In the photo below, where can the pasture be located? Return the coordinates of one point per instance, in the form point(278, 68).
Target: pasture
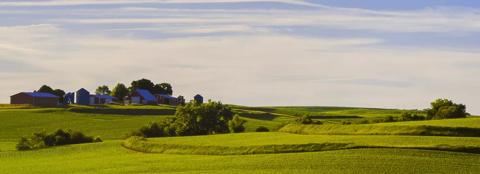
point(314, 153)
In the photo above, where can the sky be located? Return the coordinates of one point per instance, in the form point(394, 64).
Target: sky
point(369, 53)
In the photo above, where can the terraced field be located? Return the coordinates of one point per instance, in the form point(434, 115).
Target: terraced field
point(227, 153)
point(110, 157)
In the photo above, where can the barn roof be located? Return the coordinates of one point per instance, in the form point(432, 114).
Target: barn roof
point(41, 94)
point(146, 94)
point(166, 96)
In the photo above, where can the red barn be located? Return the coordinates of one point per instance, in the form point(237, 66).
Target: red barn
point(35, 99)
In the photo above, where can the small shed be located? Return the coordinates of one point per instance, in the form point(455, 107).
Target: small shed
point(168, 99)
point(82, 97)
point(142, 96)
point(198, 98)
point(35, 99)
point(98, 99)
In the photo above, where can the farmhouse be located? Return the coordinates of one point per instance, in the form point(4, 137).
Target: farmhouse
point(82, 97)
point(35, 99)
point(169, 100)
point(141, 96)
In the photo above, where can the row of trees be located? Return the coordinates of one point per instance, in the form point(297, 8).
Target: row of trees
point(196, 119)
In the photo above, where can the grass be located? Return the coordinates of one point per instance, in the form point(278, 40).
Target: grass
point(109, 157)
point(332, 112)
point(108, 122)
point(276, 142)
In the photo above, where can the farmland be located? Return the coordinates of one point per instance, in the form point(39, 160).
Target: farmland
point(236, 153)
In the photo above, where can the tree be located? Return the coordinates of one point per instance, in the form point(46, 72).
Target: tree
point(304, 120)
point(163, 88)
point(120, 91)
point(46, 89)
point(103, 90)
point(236, 124)
point(444, 108)
point(202, 119)
point(142, 84)
point(60, 93)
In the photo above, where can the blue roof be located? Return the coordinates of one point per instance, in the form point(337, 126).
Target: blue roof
point(146, 94)
point(167, 96)
point(41, 94)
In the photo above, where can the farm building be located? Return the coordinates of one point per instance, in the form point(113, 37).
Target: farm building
point(141, 96)
point(82, 97)
point(98, 99)
point(198, 98)
point(35, 99)
point(169, 100)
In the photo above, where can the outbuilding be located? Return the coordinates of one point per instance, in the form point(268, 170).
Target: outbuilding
point(82, 97)
point(35, 99)
point(142, 96)
point(98, 99)
point(169, 100)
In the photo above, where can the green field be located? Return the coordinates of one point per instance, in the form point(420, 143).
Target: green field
point(110, 157)
point(315, 153)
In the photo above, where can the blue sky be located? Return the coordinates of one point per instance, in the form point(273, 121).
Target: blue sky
point(369, 53)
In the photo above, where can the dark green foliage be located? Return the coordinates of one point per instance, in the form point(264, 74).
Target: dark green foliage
point(120, 91)
point(304, 120)
point(58, 92)
point(444, 109)
point(60, 137)
point(262, 129)
point(236, 124)
point(202, 119)
point(46, 89)
point(164, 88)
point(142, 84)
point(407, 116)
point(194, 119)
point(103, 90)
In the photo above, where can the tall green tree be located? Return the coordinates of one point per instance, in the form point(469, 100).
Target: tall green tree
point(46, 89)
point(163, 88)
point(120, 91)
point(103, 90)
point(202, 119)
point(444, 108)
point(142, 84)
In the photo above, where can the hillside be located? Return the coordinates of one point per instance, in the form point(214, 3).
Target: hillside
point(226, 153)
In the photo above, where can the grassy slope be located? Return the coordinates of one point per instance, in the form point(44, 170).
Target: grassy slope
point(109, 157)
point(452, 127)
point(275, 142)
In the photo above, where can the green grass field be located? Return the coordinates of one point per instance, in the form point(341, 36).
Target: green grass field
point(113, 122)
point(110, 157)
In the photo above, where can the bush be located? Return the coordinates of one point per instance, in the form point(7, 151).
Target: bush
point(407, 116)
point(444, 109)
point(194, 119)
point(60, 137)
point(304, 120)
point(236, 124)
point(262, 129)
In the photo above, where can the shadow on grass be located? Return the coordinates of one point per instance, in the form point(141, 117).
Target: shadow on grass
point(124, 111)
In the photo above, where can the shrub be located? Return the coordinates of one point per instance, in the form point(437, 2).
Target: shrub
point(60, 137)
point(262, 129)
point(236, 124)
point(444, 108)
point(304, 120)
point(407, 116)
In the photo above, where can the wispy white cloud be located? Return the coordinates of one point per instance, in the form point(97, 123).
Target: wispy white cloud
point(103, 2)
point(332, 71)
